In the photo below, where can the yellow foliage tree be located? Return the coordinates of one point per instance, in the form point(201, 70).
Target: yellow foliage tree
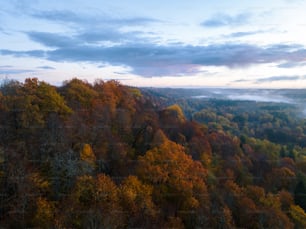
point(298, 215)
point(88, 158)
point(137, 197)
point(94, 201)
point(44, 214)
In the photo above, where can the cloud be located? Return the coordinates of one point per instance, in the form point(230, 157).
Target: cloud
point(277, 78)
point(90, 29)
point(106, 36)
point(220, 20)
point(243, 34)
point(24, 4)
point(46, 67)
point(113, 36)
point(132, 21)
point(66, 16)
point(30, 53)
point(3, 31)
point(291, 64)
point(272, 79)
point(52, 39)
point(59, 16)
point(149, 59)
point(7, 70)
point(240, 81)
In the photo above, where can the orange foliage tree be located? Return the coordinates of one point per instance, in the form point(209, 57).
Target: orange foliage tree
point(178, 181)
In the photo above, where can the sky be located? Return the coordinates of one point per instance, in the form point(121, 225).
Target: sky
point(199, 43)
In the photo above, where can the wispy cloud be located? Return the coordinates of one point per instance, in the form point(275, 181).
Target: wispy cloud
point(24, 4)
point(243, 34)
point(271, 79)
point(45, 67)
point(277, 78)
point(9, 70)
point(241, 81)
point(30, 53)
point(52, 40)
point(66, 16)
point(292, 64)
point(113, 36)
point(4, 31)
point(220, 20)
point(60, 16)
point(90, 29)
point(107, 36)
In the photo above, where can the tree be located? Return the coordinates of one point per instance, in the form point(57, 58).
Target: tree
point(280, 178)
point(94, 203)
point(286, 200)
point(45, 211)
point(172, 117)
point(178, 181)
point(87, 159)
point(79, 94)
point(298, 215)
point(300, 194)
point(136, 199)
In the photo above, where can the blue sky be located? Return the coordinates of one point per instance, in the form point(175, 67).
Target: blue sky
point(156, 43)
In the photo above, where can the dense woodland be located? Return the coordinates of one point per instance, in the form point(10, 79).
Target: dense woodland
point(104, 155)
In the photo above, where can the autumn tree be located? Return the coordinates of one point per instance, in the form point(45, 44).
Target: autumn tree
point(45, 212)
point(87, 159)
point(137, 201)
point(298, 215)
point(94, 203)
point(78, 93)
point(178, 181)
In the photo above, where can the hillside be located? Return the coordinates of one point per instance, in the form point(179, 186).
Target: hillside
point(105, 155)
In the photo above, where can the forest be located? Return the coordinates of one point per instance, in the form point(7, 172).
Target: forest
point(106, 155)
